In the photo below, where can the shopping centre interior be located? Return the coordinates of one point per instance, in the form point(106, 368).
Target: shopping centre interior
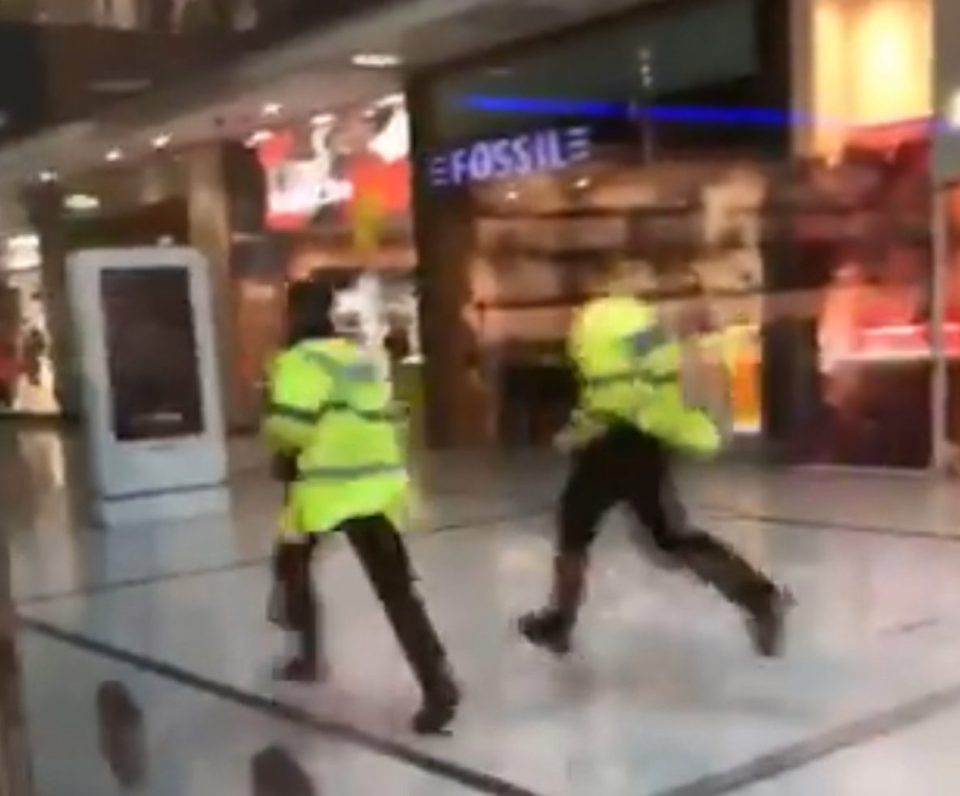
point(779, 176)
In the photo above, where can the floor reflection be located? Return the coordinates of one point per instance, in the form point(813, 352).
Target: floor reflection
point(663, 689)
point(274, 772)
point(122, 736)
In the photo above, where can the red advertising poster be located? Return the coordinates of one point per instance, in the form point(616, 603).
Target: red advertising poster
point(327, 170)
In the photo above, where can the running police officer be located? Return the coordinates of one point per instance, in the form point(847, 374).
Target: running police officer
point(630, 420)
point(331, 410)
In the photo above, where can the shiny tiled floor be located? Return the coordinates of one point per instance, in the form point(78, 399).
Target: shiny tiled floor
point(662, 697)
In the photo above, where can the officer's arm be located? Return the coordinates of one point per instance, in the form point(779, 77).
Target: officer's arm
point(296, 394)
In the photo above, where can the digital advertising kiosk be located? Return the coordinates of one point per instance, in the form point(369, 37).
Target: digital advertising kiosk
point(144, 336)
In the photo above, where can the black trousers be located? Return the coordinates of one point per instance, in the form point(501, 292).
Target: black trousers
point(629, 467)
point(384, 559)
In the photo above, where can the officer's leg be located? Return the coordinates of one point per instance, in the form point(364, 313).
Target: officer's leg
point(590, 491)
point(300, 609)
point(384, 559)
point(656, 503)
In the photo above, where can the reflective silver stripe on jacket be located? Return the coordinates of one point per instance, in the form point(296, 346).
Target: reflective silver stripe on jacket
point(388, 415)
point(361, 372)
point(309, 416)
point(349, 473)
point(648, 340)
point(640, 344)
point(325, 361)
point(646, 376)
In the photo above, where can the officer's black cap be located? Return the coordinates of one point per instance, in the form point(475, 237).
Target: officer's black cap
point(309, 305)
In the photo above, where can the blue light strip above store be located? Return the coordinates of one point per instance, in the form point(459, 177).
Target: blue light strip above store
point(688, 114)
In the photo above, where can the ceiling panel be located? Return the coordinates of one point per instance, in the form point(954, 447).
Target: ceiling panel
point(312, 72)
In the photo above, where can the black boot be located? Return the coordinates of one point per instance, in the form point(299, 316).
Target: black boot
point(765, 606)
point(298, 669)
point(428, 659)
point(307, 664)
point(303, 614)
point(551, 628)
point(766, 623)
point(440, 703)
point(387, 564)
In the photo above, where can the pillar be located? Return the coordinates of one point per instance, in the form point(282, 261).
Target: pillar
point(946, 90)
point(44, 205)
point(208, 207)
point(946, 183)
point(457, 405)
point(802, 77)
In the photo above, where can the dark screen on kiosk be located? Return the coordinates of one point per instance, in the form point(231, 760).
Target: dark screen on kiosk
point(151, 353)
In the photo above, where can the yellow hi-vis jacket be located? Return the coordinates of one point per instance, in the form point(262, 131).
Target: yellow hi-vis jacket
point(630, 372)
point(331, 409)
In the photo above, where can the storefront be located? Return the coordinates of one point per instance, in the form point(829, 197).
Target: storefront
point(26, 369)
point(637, 141)
point(337, 210)
point(772, 185)
point(775, 182)
point(325, 197)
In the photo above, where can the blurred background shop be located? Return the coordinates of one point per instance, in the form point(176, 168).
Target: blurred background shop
point(26, 368)
point(778, 177)
point(778, 181)
point(546, 180)
point(322, 196)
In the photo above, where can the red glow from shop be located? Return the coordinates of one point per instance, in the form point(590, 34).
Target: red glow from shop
point(387, 183)
point(907, 341)
point(889, 136)
point(366, 176)
point(276, 149)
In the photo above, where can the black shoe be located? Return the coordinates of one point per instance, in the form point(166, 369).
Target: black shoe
point(438, 710)
point(301, 670)
point(547, 629)
point(767, 624)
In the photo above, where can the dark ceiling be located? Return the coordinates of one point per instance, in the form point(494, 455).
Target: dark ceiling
point(688, 46)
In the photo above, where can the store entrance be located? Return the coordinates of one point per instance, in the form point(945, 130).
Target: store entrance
point(26, 367)
point(684, 235)
point(848, 338)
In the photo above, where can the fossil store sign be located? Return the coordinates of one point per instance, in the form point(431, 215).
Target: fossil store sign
point(514, 156)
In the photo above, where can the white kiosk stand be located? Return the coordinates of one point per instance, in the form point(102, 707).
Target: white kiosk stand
point(151, 394)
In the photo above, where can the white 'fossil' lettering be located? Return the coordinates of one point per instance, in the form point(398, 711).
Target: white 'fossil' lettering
point(515, 156)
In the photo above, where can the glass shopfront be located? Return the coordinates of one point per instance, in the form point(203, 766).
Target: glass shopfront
point(26, 369)
point(949, 339)
point(863, 221)
point(655, 153)
point(861, 230)
point(324, 198)
point(335, 208)
point(671, 153)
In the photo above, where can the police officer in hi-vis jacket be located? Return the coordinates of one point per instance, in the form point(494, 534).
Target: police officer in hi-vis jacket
point(630, 421)
point(330, 411)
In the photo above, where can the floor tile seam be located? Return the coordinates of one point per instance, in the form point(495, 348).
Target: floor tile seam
point(733, 512)
point(790, 758)
point(473, 779)
point(105, 589)
point(855, 734)
point(108, 588)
